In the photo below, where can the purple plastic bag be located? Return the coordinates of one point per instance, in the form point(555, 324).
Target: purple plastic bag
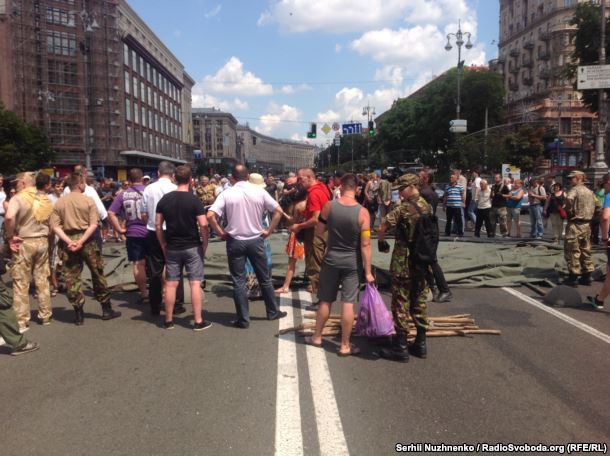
point(374, 318)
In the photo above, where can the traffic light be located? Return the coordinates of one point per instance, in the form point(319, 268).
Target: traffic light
point(371, 128)
point(313, 132)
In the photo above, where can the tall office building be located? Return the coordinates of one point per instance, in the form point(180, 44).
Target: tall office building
point(98, 80)
point(536, 43)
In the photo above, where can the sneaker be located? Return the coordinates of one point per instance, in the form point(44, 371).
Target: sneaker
point(27, 348)
point(168, 325)
point(279, 315)
point(202, 325)
point(2, 342)
point(45, 321)
point(24, 329)
point(179, 309)
point(593, 301)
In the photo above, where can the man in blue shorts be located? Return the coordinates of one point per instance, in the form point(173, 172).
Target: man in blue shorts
point(597, 301)
point(128, 204)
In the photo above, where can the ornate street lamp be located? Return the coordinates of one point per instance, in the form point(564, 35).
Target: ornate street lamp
point(459, 42)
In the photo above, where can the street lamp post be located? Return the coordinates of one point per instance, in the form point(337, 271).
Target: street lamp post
point(369, 112)
point(459, 42)
point(599, 162)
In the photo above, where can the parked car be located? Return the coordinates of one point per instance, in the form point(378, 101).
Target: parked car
point(525, 205)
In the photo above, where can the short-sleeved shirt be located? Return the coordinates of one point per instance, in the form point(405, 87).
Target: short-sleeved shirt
point(244, 206)
point(74, 212)
point(607, 201)
point(317, 196)
point(152, 195)
point(454, 195)
point(180, 211)
point(26, 225)
point(128, 203)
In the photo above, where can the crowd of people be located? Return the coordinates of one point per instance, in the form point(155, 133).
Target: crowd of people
point(52, 228)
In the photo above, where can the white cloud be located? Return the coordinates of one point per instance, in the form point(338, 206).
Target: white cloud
point(290, 89)
point(328, 116)
point(213, 12)
point(390, 73)
point(338, 48)
point(204, 100)
point(279, 121)
point(232, 79)
point(340, 16)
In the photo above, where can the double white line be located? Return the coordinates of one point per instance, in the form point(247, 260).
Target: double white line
point(288, 426)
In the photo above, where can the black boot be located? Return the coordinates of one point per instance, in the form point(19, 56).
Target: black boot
point(108, 313)
point(585, 279)
point(399, 350)
point(418, 348)
point(572, 280)
point(435, 292)
point(79, 315)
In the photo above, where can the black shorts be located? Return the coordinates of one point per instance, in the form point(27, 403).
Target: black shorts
point(136, 248)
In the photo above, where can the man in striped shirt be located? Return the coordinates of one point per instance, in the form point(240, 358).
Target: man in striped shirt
point(454, 202)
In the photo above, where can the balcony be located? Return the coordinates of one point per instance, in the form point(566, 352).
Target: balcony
point(528, 63)
point(528, 44)
point(514, 53)
point(545, 35)
point(544, 55)
point(513, 86)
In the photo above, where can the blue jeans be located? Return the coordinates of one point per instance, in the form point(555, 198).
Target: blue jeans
point(536, 220)
point(472, 211)
point(253, 250)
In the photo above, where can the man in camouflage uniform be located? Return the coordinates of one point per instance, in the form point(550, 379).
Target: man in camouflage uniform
point(580, 206)
point(409, 287)
point(27, 232)
point(206, 191)
point(74, 220)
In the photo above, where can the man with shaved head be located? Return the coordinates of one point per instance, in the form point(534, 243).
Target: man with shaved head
point(318, 195)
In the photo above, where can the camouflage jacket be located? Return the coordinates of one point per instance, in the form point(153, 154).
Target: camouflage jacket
point(206, 194)
point(580, 203)
point(402, 221)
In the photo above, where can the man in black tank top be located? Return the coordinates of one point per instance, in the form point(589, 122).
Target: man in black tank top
point(348, 252)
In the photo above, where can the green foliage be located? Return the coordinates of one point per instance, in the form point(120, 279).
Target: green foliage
point(418, 127)
point(586, 45)
point(23, 147)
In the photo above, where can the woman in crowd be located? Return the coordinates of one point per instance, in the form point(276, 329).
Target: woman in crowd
point(294, 247)
point(513, 207)
point(555, 212)
point(483, 202)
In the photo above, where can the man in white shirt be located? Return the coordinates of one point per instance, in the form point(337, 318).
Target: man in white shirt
point(155, 258)
point(474, 186)
point(244, 205)
point(2, 200)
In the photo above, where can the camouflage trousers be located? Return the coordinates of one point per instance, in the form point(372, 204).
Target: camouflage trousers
point(406, 302)
point(498, 215)
point(9, 329)
point(315, 249)
point(73, 268)
point(32, 259)
point(577, 248)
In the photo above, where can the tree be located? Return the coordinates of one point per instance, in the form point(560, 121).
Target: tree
point(586, 46)
point(23, 147)
point(418, 127)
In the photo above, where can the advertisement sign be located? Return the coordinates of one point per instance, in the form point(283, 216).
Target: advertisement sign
point(511, 171)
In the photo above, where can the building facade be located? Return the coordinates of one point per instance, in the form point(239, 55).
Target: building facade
point(220, 142)
point(536, 43)
point(98, 80)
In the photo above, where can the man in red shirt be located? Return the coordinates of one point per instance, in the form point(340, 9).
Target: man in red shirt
point(318, 195)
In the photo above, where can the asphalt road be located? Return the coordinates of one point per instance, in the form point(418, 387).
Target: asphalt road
point(128, 387)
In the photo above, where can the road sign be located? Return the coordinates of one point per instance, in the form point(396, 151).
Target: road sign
point(458, 126)
point(325, 128)
point(352, 128)
point(338, 141)
point(336, 126)
point(593, 77)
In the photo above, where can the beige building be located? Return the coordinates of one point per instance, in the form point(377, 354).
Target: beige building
point(220, 142)
point(98, 80)
point(536, 43)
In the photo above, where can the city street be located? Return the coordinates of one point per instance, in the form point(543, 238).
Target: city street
point(129, 387)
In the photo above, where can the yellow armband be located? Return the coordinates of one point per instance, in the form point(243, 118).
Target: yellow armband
point(365, 233)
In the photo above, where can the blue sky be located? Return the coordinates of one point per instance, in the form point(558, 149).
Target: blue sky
point(281, 64)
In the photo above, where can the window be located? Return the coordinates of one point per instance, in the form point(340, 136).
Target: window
point(129, 137)
point(127, 82)
point(135, 87)
point(63, 73)
point(587, 124)
point(565, 126)
point(142, 67)
point(150, 119)
point(134, 61)
point(143, 115)
point(128, 109)
point(65, 133)
point(60, 17)
point(148, 71)
point(125, 54)
point(137, 142)
point(144, 141)
point(142, 91)
point(149, 96)
point(156, 122)
point(151, 146)
point(63, 103)
point(136, 113)
point(61, 43)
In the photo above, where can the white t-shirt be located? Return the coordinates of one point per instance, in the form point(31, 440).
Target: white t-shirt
point(152, 195)
point(2, 200)
point(476, 183)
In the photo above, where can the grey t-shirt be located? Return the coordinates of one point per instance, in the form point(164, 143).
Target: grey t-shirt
point(343, 247)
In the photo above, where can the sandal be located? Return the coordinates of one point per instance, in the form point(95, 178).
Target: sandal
point(353, 351)
point(309, 341)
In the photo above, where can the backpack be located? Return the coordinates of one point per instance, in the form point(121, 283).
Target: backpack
point(425, 242)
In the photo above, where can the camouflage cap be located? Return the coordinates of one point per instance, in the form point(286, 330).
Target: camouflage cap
point(576, 173)
point(405, 180)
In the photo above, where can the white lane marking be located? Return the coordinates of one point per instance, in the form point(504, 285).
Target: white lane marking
point(330, 430)
point(583, 327)
point(288, 431)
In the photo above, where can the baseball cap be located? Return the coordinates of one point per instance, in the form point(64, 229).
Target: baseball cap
point(405, 180)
